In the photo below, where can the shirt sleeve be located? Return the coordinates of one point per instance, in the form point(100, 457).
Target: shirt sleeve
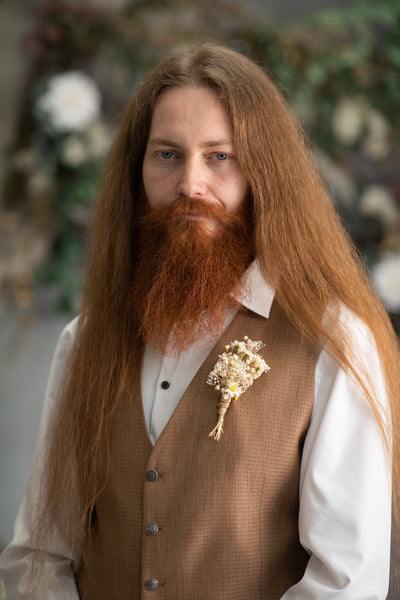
point(16, 559)
point(345, 486)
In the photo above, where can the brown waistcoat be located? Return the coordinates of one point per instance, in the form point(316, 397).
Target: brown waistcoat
point(223, 515)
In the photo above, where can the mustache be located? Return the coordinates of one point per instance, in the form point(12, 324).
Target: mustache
point(199, 208)
point(183, 207)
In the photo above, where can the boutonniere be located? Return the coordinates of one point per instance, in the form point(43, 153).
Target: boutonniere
point(234, 372)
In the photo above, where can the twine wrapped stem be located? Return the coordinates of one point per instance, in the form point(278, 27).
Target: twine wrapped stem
point(223, 406)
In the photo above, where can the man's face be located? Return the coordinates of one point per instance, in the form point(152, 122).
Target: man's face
point(190, 152)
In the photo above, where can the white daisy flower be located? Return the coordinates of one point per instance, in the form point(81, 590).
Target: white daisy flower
point(348, 119)
point(71, 102)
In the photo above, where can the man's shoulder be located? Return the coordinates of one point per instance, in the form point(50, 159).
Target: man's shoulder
point(68, 335)
point(69, 331)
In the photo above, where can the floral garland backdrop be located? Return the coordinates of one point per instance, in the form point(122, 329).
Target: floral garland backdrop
point(338, 69)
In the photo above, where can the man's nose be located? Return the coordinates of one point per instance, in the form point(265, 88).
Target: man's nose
point(192, 179)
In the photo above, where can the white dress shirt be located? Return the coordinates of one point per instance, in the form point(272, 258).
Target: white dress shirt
point(345, 484)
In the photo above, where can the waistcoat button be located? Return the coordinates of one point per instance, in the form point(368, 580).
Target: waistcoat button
point(151, 584)
point(151, 528)
point(151, 475)
point(165, 385)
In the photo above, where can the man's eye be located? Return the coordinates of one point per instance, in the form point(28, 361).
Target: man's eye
point(166, 154)
point(221, 156)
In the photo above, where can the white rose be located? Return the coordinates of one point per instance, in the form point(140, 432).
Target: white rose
point(386, 279)
point(348, 119)
point(376, 201)
point(98, 139)
point(377, 142)
point(73, 152)
point(71, 102)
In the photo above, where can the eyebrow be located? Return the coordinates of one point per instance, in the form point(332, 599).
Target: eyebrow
point(208, 144)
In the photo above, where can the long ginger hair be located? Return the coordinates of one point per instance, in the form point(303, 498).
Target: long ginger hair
point(298, 238)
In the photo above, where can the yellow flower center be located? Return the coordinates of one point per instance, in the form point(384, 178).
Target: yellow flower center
point(233, 388)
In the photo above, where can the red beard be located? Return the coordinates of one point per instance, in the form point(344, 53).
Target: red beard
point(186, 275)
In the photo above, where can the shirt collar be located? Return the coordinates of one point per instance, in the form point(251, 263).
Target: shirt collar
point(259, 293)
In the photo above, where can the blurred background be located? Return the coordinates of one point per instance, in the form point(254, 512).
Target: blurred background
point(67, 69)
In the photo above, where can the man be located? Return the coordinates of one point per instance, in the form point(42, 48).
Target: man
point(213, 233)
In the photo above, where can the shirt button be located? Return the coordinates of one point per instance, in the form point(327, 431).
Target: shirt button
point(151, 528)
point(151, 475)
point(151, 584)
point(165, 385)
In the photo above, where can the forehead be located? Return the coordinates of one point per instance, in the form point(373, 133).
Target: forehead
point(190, 108)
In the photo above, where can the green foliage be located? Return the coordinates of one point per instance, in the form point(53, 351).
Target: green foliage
point(353, 51)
